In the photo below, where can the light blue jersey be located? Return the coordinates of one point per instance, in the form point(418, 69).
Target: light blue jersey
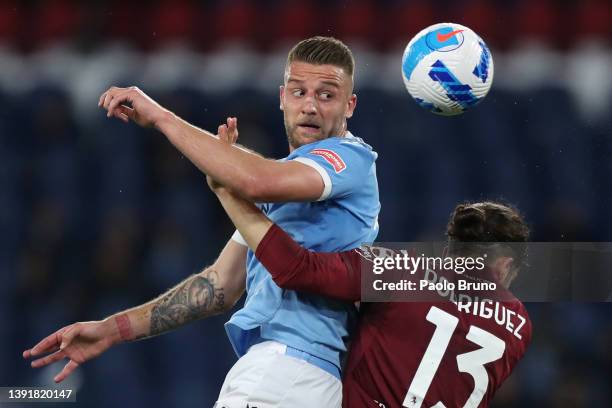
point(345, 216)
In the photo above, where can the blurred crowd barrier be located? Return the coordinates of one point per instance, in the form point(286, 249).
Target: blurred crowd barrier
point(583, 71)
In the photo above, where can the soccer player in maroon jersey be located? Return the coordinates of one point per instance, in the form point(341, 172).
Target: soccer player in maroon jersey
point(409, 354)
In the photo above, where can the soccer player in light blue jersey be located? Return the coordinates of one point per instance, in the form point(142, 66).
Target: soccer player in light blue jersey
point(324, 194)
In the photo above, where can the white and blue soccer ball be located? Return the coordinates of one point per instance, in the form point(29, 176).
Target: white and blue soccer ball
point(447, 68)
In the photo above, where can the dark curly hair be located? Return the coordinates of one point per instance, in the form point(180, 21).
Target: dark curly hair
point(490, 224)
point(486, 221)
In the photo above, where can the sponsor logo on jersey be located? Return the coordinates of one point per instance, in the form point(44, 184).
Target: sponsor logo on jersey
point(332, 158)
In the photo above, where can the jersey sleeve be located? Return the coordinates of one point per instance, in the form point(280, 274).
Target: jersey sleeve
point(342, 164)
point(333, 274)
point(238, 238)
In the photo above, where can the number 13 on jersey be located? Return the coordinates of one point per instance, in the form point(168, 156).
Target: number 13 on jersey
point(492, 348)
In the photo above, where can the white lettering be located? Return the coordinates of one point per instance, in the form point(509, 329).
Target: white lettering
point(521, 324)
point(377, 269)
point(485, 311)
point(509, 325)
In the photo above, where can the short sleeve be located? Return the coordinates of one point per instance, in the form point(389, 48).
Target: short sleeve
point(238, 238)
point(327, 183)
point(342, 164)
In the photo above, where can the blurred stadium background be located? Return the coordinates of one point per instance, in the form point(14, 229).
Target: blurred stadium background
point(97, 216)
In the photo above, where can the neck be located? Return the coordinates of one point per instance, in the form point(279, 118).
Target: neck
point(340, 133)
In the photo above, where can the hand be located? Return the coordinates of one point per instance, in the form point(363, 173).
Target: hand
point(78, 342)
point(132, 104)
point(227, 133)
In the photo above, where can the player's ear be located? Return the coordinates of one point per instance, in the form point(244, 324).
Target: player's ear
point(281, 97)
point(350, 108)
point(503, 268)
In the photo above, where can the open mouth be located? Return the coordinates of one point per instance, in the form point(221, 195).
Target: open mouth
point(309, 127)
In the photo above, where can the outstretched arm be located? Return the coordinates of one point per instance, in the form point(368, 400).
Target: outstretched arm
point(249, 175)
point(214, 290)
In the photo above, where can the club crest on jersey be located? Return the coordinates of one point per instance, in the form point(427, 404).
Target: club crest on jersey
point(332, 158)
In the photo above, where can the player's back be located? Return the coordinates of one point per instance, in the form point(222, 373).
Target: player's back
point(433, 355)
point(431, 351)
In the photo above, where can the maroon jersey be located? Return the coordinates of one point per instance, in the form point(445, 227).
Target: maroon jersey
point(408, 354)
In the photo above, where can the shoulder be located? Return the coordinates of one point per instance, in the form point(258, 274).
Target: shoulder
point(339, 151)
point(517, 327)
point(350, 142)
point(351, 139)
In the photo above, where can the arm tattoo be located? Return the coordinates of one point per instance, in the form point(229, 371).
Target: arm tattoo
point(197, 297)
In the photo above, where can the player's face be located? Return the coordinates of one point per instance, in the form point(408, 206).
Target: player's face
point(316, 101)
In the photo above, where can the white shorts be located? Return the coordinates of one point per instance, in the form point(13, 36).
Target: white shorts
point(265, 377)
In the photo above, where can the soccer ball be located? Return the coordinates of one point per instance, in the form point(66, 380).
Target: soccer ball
point(447, 68)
